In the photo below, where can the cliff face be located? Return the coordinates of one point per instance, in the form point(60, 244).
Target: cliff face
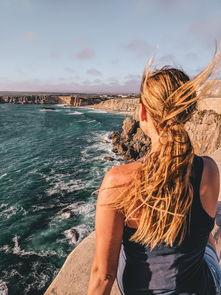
point(73, 100)
point(119, 104)
point(215, 89)
point(204, 130)
point(211, 101)
point(31, 99)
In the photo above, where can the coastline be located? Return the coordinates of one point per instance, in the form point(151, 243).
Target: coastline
point(97, 106)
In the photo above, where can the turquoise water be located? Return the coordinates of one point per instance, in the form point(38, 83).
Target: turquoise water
point(50, 162)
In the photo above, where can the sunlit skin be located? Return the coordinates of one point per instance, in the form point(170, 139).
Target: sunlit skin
point(109, 222)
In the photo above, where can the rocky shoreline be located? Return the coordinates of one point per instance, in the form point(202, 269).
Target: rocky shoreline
point(204, 130)
point(73, 100)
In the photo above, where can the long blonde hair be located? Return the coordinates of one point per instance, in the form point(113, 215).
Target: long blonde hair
point(160, 193)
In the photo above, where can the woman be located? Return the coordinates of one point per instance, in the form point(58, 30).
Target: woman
point(154, 216)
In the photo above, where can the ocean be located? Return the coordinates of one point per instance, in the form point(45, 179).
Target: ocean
point(50, 163)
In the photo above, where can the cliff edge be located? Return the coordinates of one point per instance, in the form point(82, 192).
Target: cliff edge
point(73, 277)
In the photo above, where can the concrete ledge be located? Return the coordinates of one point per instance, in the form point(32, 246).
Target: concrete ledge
point(73, 277)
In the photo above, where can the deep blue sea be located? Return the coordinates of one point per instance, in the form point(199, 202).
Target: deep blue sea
point(50, 162)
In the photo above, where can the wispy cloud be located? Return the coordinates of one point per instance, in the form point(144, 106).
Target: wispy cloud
point(86, 53)
point(140, 47)
point(206, 31)
point(69, 70)
point(133, 77)
point(55, 53)
point(192, 56)
point(94, 72)
point(87, 86)
point(167, 58)
point(29, 35)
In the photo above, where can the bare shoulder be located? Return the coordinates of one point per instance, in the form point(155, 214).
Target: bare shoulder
point(121, 174)
point(115, 180)
point(211, 169)
point(210, 185)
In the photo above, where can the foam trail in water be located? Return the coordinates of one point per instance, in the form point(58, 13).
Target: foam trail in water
point(1, 176)
point(21, 252)
point(3, 288)
point(75, 113)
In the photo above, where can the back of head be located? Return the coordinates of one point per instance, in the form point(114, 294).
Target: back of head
point(158, 93)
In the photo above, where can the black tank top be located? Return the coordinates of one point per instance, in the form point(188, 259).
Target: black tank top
point(170, 270)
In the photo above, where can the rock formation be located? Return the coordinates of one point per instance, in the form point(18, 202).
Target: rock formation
point(118, 104)
point(74, 100)
point(204, 130)
point(130, 142)
point(32, 99)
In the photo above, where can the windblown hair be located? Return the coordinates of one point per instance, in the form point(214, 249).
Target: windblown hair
point(160, 194)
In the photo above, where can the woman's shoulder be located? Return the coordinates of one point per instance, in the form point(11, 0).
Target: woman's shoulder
point(210, 169)
point(122, 173)
point(117, 178)
point(210, 185)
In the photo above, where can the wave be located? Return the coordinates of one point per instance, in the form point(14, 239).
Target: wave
point(101, 143)
point(75, 113)
point(91, 121)
point(16, 250)
point(3, 288)
point(36, 208)
point(62, 186)
point(85, 209)
point(9, 211)
point(97, 111)
point(1, 176)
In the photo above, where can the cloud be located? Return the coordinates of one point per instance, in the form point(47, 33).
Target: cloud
point(86, 53)
point(191, 56)
point(87, 86)
point(133, 77)
point(55, 53)
point(115, 61)
point(94, 72)
point(206, 31)
point(168, 4)
point(167, 58)
point(178, 6)
point(69, 70)
point(140, 47)
point(82, 40)
point(30, 35)
point(97, 81)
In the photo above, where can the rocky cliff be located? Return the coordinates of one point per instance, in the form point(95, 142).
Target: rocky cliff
point(118, 104)
point(71, 100)
point(31, 99)
point(204, 130)
point(212, 101)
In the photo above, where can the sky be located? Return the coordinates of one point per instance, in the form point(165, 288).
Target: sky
point(102, 45)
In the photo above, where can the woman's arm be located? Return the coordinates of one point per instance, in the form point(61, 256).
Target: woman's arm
point(109, 230)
